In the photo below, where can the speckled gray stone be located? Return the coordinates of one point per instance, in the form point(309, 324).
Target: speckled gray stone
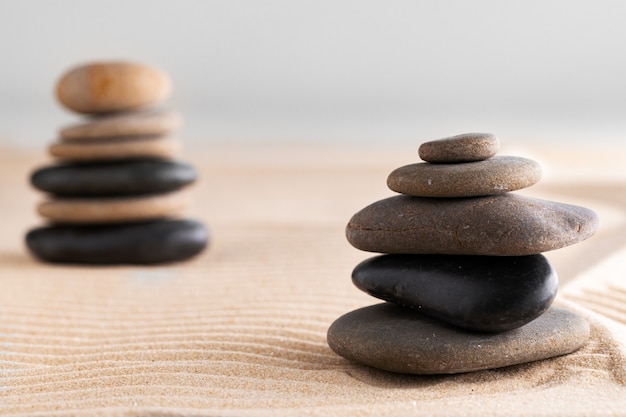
point(503, 225)
point(493, 176)
point(467, 147)
point(397, 339)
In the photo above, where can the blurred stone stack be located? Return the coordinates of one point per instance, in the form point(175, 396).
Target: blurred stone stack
point(116, 191)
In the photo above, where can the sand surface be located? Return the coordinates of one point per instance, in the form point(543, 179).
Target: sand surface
point(241, 329)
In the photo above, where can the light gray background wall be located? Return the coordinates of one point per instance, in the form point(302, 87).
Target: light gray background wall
point(326, 70)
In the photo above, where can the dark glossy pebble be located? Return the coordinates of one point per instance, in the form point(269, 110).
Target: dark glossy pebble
point(137, 243)
point(398, 339)
point(482, 293)
point(134, 177)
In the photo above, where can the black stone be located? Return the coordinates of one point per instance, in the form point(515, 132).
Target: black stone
point(137, 243)
point(481, 293)
point(133, 177)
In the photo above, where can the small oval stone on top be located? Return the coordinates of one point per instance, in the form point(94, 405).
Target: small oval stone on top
point(468, 147)
point(112, 86)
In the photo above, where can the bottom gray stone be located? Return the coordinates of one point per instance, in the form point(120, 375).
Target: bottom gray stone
point(397, 339)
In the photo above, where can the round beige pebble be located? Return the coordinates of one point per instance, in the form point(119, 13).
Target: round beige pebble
point(114, 210)
point(467, 147)
point(142, 123)
point(116, 149)
point(492, 176)
point(116, 86)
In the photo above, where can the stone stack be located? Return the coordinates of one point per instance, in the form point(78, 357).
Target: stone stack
point(116, 191)
point(466, 284)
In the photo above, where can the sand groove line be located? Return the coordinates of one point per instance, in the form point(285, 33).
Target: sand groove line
point(621, 290)
point(229, 267)
point(197, 333)
point(608, 313)
point(213, 397)
point(171, 355)
point(210, 353)
point(183, 380)
point(273, 363)
point(606, 298)
point(613, 295)
point(592, 361)
point(13, 367)
point(136, 328)
point(202, 333)
point(318, 350)
point(593, 355)
point(202, 399)
point(598, 301)
point(158, 345)
point(225, 369)
point(204, 403)
point(232, 269)
point(269, 363)
point(206, 317)
point(586, 369)
point(148, 382)
point(232, 311)
point(187, 310)
point(214, 268)
point(195, 299)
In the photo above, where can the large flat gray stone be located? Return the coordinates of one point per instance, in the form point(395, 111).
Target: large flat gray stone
point(504, 225)
point(397, 339)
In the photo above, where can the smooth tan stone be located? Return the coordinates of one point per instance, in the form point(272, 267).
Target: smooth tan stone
point(467, 147)
point(105, 87)
point(492, 176)
point(116, 149)
point(115, 209)
point(503, 225)
point(397, 339)
point(143, 123)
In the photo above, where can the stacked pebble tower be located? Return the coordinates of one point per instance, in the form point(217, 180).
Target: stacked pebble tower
point(466, 284)
point(116, 189)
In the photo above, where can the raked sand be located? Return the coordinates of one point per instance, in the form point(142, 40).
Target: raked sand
point(241, 329)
